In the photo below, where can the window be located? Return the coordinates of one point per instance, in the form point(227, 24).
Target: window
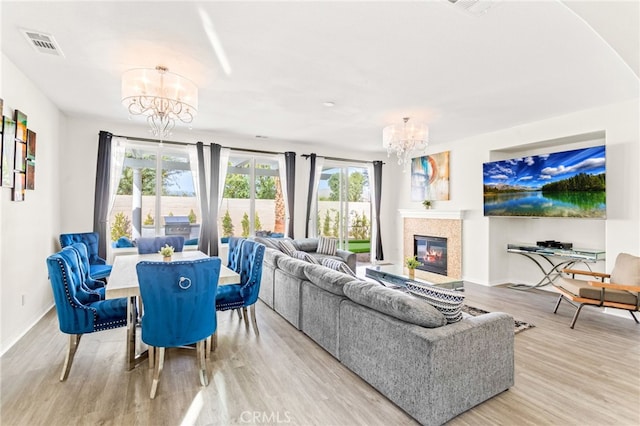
point(156, 183)
point(252, 203)
point(344, 206)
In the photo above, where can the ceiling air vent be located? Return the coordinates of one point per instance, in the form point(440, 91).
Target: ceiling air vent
point(43, 43)
point(474, 7)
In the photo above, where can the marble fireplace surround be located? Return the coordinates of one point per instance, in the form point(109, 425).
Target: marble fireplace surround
point(447, 224)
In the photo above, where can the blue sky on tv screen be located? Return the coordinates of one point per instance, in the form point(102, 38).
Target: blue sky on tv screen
point(536, 170)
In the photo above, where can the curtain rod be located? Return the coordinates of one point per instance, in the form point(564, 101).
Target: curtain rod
point(255, 151)
point(339, 159)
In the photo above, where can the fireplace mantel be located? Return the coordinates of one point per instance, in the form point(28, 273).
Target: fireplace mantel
point(432, 214)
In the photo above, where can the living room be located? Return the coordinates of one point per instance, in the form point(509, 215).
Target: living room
point(63, 200)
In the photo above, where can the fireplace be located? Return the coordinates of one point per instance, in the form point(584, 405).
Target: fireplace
point(431, 252)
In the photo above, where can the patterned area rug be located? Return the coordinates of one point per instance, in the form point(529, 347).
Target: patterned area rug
point(518, 325)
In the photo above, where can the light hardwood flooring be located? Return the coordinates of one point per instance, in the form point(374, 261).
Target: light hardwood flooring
point(586, 376)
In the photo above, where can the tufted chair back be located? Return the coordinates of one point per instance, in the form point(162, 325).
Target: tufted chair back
point(83, 260)
point(154, 244)
point(235, 251)
point(90, 240)
point(252, 255)
point(179, 300)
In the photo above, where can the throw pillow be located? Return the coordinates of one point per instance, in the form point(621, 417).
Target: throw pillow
point(449, 302)
point(327, 246)
point(303, 255)
point(287, 247)
point(337, 265)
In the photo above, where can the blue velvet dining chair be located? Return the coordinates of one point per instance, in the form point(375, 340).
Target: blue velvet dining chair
point(154, 244)
point(83, 261)
point(245, 294)
point(79, 309)
point(179, 308)
point(98, 266)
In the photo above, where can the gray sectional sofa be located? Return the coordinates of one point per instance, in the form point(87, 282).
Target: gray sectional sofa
point(395, 341)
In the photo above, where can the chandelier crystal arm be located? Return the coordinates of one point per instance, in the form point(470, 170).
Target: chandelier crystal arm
point(163, 97)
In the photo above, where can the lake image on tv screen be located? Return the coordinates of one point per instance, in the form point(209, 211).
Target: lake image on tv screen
point(561, 184)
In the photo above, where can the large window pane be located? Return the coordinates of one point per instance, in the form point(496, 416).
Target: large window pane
point(252, 201)
point(344, 206)
point(156, 182)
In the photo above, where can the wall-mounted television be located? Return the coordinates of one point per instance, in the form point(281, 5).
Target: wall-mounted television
point(560, 184)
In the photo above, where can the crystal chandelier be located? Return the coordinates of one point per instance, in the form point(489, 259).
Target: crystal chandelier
point(163, 97)
point(405, 138)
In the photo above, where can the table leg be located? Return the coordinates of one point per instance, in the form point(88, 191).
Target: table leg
point(133, 358)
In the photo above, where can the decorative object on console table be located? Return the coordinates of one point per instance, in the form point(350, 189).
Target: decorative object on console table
point(412, 263)
point(427, 204)
point(430, 177)
point(8, 151)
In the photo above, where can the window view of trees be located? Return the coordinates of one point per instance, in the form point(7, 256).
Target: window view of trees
point(263, 196)
point(344, 205)
point(174, 193)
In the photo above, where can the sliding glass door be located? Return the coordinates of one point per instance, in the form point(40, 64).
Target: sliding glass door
point(344, 205)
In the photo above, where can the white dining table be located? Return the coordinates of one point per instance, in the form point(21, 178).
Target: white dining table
point(123, 282)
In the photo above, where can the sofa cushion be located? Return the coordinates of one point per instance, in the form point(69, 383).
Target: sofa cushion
point(292, 266)
point(395, 303)
point(303, 255)
point(271, 257)
point(448, 302)
point(327, 279)
point(337, 265)
point(327, 245)
point(286, 246)
point(626, 270)
point(306, 244)
point(269, 242)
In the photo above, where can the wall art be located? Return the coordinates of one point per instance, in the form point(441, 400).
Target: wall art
point(430, 177)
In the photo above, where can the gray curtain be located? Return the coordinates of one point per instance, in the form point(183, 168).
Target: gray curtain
point(312, 175)
point(377, 178)
point(203, 239)
point(208, 242)
point(290, 166)
point(214, 201)
point(101, 200)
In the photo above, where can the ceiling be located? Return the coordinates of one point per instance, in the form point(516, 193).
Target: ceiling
point(462, 74)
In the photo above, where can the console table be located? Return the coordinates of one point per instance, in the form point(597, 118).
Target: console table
point(394, 274)
point(565, 259)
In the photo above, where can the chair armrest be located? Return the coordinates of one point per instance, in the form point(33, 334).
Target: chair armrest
point(347, 257)
point(615, 286)
point(590, 273)
point(99, 261)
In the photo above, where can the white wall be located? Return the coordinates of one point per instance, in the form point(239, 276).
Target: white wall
point(485, 260)
point(29, 229)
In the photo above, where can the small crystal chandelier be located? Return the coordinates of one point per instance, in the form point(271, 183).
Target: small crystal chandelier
point(405, 138)
point(162, 96)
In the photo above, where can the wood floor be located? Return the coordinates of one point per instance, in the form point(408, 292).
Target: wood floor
point(586, 376)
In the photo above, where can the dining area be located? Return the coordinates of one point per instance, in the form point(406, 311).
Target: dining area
point(163, 301)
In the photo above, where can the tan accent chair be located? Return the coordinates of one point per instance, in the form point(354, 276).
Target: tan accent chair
point(621, 292)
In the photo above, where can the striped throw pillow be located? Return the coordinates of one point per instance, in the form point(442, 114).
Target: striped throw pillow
point(327, 246)
point(449, 302)
point(337, 265)
point(303, 255)
point(287, 247)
